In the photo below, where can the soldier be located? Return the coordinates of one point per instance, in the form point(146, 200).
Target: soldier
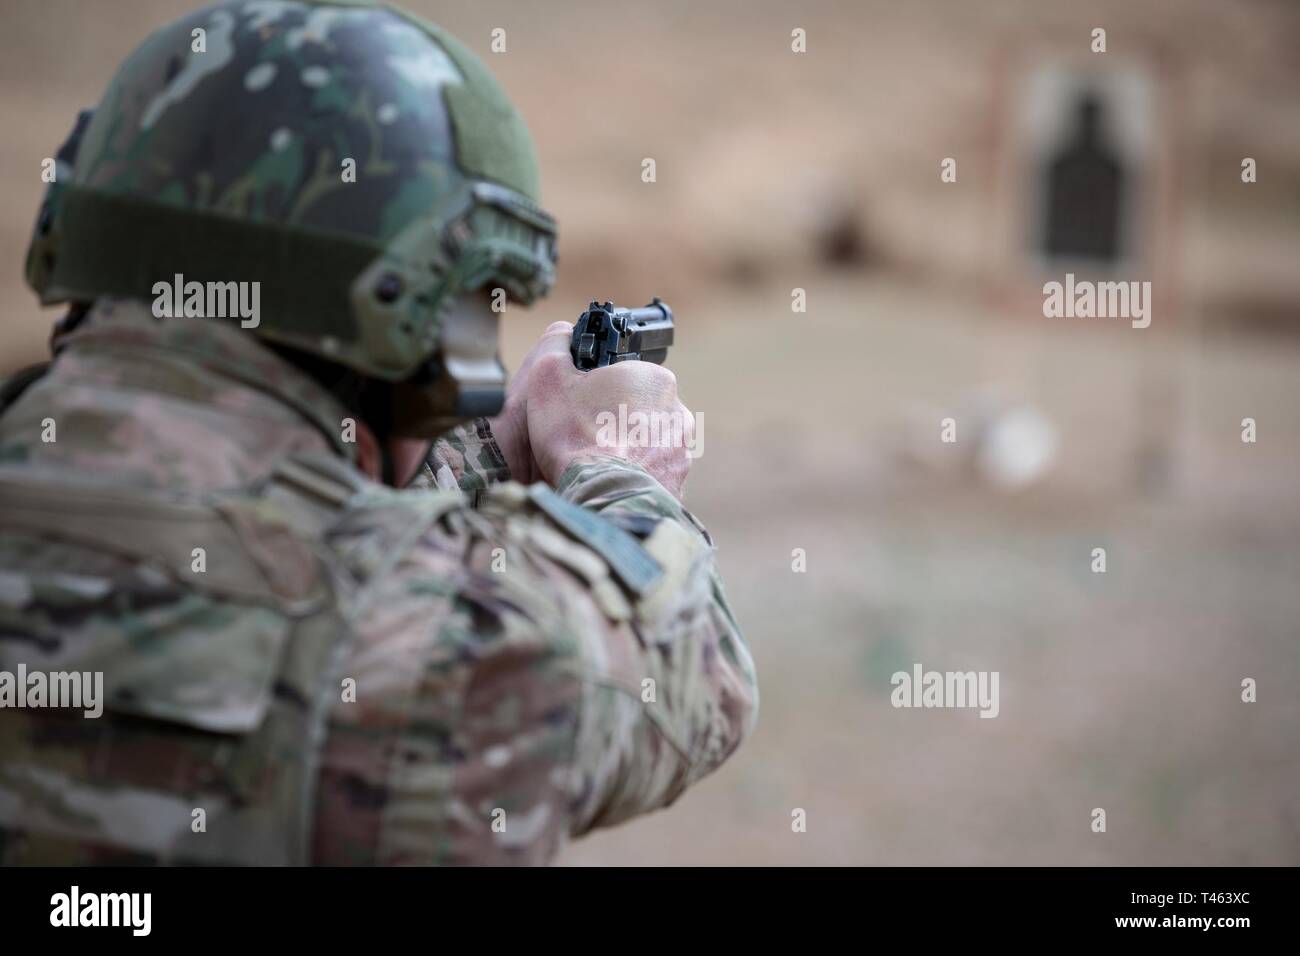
point(279, 236)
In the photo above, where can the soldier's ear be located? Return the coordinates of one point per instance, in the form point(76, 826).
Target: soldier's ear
point(370, 458)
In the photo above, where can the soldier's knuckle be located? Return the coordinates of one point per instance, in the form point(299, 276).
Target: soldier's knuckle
point(550, 368)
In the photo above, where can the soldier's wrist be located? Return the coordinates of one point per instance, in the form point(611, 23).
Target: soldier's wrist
point(582, 468)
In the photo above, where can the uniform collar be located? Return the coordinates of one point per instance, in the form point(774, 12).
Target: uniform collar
point(220, 347)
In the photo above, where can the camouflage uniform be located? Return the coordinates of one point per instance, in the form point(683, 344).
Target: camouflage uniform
point(302, 665)
point(513, 696)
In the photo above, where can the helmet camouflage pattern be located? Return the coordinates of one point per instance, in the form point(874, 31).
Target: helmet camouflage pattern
point(357, 162)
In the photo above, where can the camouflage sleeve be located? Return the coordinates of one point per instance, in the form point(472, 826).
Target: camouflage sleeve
point(467, 457)
point(692, 694)
point(511, 693)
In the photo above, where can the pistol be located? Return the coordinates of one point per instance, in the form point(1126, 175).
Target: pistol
point(606, 334)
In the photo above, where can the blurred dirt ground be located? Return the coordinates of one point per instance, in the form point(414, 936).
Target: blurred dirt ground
point(1118, 690)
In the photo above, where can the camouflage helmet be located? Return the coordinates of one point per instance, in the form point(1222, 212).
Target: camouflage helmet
point(358, 163)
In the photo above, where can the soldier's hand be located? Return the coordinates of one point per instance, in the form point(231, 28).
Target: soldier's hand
point(555, 414)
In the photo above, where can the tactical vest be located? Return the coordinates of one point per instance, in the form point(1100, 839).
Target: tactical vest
point(220, 665)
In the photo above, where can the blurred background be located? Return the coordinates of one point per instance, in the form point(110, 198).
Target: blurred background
point(778, 171)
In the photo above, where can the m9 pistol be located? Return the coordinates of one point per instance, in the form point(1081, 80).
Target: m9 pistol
point(606, 334)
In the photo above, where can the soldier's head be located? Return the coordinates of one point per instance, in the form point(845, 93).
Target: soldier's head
point(357, 163)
